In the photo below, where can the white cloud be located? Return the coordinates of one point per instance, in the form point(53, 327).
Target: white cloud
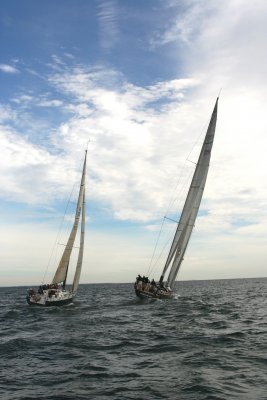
point(30, 174)
point(81, 109)
point(140, 137)
point(6, 113)
point(224, 47)
point(50, 103)
point(22, 99)
point(108, 23)
point(124, 122)
point(9, 69)
point(130, 158)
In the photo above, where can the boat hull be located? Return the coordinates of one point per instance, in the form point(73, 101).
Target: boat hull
point(160, 294)
point(48, 303)
point(50, 298)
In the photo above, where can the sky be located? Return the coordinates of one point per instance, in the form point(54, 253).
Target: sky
point(136, 81)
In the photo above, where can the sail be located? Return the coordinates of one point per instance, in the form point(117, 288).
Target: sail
point(192, 204)
point(80, 255)
point(62, 269)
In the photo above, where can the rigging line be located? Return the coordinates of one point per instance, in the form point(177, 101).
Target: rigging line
point(193, 162)
point(186, 179)
point(174, 190)
point(59, 233)
point(169, 239)
point(162, 251)
point(179, 198)
point(75, 247)
point(170, 219)
point(204, 128)
point(155, 247)
point(150, 267)
point(172, 200)
point(185, 185)
point(187, 159)
point(164, 247)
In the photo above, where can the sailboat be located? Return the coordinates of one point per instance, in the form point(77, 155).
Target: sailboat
point(164, 288)
point(56, 293)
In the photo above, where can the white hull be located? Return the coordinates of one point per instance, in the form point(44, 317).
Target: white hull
point(58, 298)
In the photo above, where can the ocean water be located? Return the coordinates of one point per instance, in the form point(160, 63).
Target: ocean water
point(210, 342)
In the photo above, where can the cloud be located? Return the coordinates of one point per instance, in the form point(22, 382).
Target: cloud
point(6, 113)
point(142, 135)
point(9, 69)
point(185, 21)
point(108, 23)
point(30, 174)
point(223, 47)
point(22, 99)
point(219, 37)
point(123, 121)
point(50, 103)
point(44, 100)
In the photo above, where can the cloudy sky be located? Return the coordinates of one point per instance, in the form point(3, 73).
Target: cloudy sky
point(139, 79)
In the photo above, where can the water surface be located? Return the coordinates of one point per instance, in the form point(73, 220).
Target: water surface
point(208, 343)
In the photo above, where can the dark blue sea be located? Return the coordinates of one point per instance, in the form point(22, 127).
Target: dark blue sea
point(208, 343)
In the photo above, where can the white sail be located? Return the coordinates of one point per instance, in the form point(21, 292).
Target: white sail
point(62, 269)
point(80, 255)
point(191, 206)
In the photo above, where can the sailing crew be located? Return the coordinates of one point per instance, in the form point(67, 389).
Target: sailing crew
point(40, 290)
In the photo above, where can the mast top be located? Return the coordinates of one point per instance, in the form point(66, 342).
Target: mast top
point(87, 146)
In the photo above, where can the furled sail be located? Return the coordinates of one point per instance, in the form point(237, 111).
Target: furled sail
point(62, 269)
point(80, 255)
point(191, 206)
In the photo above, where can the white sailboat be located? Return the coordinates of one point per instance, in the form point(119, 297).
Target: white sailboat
point(56, 294)
point(164, 289)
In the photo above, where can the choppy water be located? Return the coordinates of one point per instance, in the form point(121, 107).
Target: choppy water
point(209, 343)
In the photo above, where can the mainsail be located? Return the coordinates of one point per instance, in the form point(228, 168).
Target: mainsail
point(191, 206)
point(62, 269)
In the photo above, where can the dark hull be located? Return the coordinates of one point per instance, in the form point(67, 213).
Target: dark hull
point(142, 294)
point(49, 303)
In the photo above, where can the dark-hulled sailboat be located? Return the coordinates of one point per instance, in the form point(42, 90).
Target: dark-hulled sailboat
point(164, 289)
point(56, 294)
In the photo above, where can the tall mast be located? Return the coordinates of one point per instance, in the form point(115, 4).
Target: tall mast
point(80, 255)
point(191, 206)
point(62, 269)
